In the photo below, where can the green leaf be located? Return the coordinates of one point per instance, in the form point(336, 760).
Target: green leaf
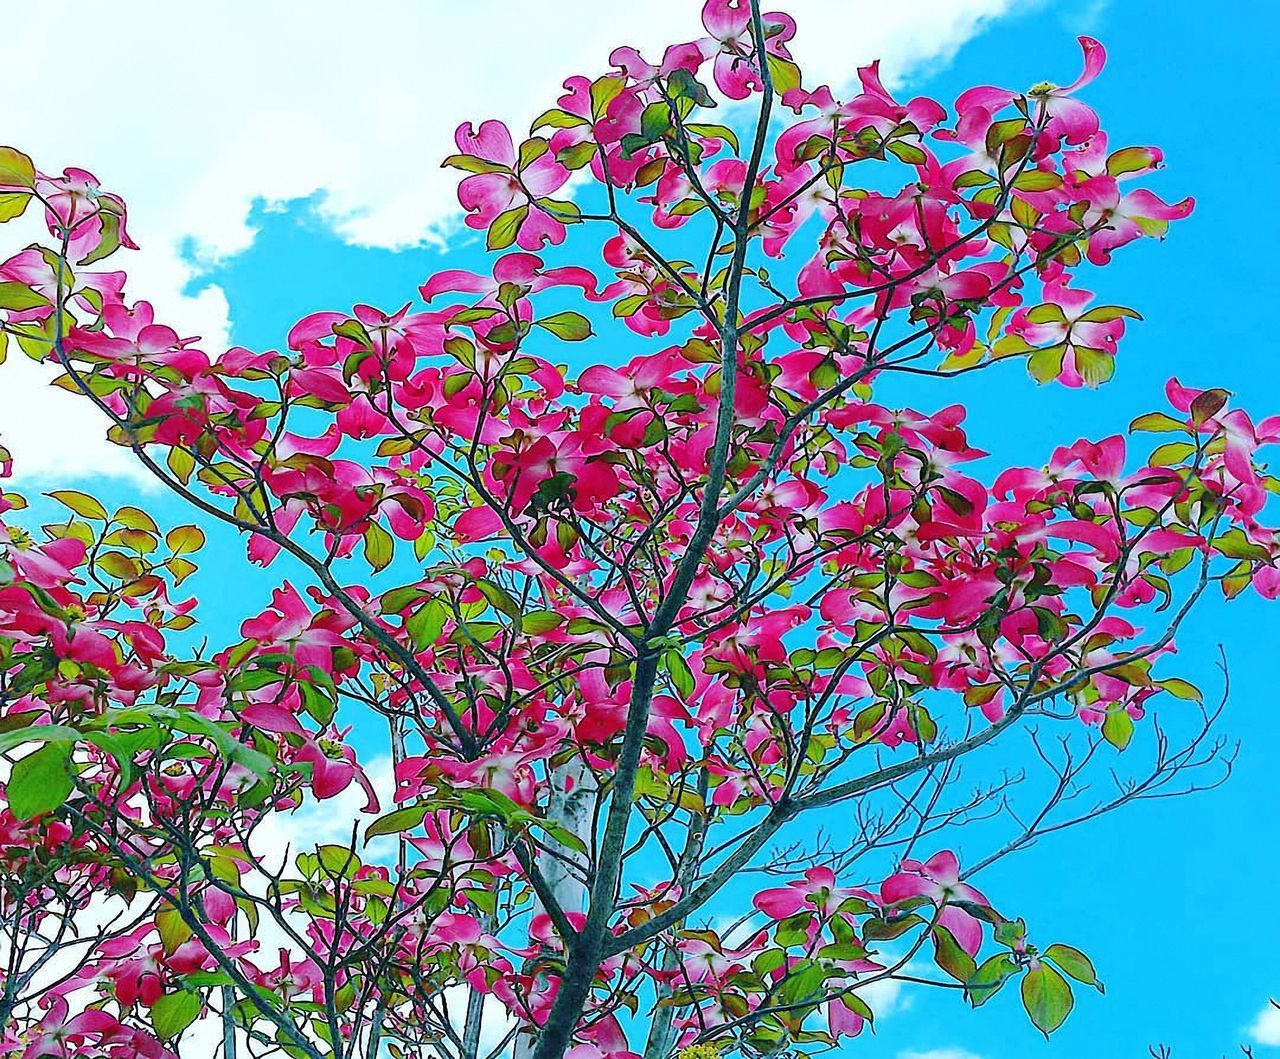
point(173, 929)
point(1094, 365)
point(1037, 180)
point(181, 463)
point(317, 703)
point(396, 822)
point(108, 241)
point(989, 978)
point(794, 930)
point(718, 132)
point(379, 548)
point(499, 598)
point(604, 91)
point(973, 178)
point(568, 326)
point(1075, 963)
point(1156, 423)
point(537, 622)
point(136, 518)
point(558, 119)
point(1046, 314)
point(174, 1012)
point(1172, 453)
point(907, 152)
point(1180, 689)
point(37, 733)
point(232, 749)
point(16, 169)
point(426, 624)
point(13, 204)
point(354, 330)
point(530, 151)
point(469, 163)
point(338, 860)
point(951, 957)
point(1130, 160)
point(785, 74)
point(1012, 932)
point(505, 227)
point(576, 155)
point(81, 503)
point(678, 669)
point(1105, 314)
point(804, 983)
point(1046, 364)
point(1047, 998)
point(1117, 728)
point(183, 540)
point(19, 296)
point(562, 835)
point(40, 782)
point(681, 84)
point(1207, 405)
point(1011, 346)
point(768, 962)
point(1235, 545)
point(394, 601)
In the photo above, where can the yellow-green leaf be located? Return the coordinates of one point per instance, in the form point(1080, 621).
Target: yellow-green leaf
point(1047, 998)
point(569, 326)
point(185, 539)
point(174, 1012)
point(16, 169)
point(81, 503)
point(136, 518)
point(13, 204)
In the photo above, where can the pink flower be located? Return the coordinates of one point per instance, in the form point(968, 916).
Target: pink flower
point(333, 768)
point(1077, 347)
point(290, 624)
point(1129, 217)
point(938, 880)
point(1068, 118)
point(732, 42)
point(525, 271)
point(817, 891)
point(503, 185)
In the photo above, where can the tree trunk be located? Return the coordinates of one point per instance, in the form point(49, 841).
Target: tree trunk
point(571, 805)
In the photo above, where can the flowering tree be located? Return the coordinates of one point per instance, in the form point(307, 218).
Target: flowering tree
point(637, 632)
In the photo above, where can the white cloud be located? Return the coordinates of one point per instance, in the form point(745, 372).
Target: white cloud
point(194, 111)
point(886, 997)
point(1265, 1028)
point(316, 823)
point(56, 436)
point(939, 1053)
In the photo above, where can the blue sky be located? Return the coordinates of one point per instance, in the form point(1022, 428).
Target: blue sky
point(1171, 899)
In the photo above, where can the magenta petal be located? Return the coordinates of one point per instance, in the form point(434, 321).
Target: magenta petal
point(964, 928)
point(491, 142)
point(1095, 58)
point(726, 19)
point(780, 903)
point(902, 886)
point(271, 718)
point(943, 867)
